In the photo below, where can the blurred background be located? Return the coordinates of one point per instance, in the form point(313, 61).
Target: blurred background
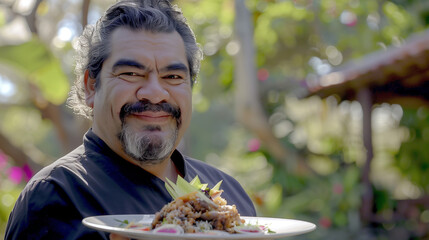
point(320, 108)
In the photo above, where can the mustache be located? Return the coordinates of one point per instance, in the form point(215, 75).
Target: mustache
point(143, 106)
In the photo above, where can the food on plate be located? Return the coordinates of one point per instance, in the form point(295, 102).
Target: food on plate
point(169, 228)
point(198, 209)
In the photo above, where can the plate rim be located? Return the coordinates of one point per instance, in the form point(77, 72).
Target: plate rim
point(148, 235)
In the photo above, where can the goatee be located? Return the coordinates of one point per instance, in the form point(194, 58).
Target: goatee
point(140, 144)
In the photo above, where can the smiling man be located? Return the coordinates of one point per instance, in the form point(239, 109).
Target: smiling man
point(142, 107)
point(135, 71)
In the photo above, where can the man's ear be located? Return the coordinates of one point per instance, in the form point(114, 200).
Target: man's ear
point(89, 89)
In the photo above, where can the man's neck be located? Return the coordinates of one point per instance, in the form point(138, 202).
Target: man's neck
point(163, 170)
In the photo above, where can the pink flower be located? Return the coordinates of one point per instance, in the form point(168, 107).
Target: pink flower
point(253, 145)
point(337, 188)
point(28, 173)
point(325, 222)
point(263, 74)
point(15, 174)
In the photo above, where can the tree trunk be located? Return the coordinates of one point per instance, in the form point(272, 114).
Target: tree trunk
point(85, 11)
point(249, 110)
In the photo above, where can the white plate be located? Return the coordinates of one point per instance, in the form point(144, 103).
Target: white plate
point(281, 227)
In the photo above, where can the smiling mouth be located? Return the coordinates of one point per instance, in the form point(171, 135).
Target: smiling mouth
point(149, 110)
point(152, 117)
point(151, 114)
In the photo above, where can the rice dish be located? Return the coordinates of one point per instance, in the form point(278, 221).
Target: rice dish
point(197, 215)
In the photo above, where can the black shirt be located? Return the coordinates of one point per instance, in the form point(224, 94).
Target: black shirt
point(93, 180)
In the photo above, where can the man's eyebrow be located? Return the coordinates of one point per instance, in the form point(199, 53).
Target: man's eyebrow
point(128, 63)
point(175, 67)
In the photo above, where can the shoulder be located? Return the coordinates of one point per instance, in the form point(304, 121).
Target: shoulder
point(201, 168)
point(45, 199)
point(40, 198)
point(52, 180)
point(67, 163)
point(207, 171)
point(46, 181)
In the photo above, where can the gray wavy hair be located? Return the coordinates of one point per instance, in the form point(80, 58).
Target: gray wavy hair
point(93, 46)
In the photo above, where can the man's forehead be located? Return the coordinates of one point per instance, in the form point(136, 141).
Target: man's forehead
point(136, 44)
point(125, 34)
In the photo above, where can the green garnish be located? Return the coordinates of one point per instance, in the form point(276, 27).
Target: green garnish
point(123, 223)
point(197, 183)
point(182, 188)
point(217, 186)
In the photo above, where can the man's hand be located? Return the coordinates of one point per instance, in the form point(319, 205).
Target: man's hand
point(114, 236)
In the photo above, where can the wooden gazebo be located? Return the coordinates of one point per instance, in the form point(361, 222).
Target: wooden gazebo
point(397, 74)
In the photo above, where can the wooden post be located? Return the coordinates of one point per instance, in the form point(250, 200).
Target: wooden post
point(364, 96)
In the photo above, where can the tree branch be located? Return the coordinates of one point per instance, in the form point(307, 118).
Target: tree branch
point(85, 11)
point(54, 114)
point(19, 157)
point(31, 18)
point(249, 109)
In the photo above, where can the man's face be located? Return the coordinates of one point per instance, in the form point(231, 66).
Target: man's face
point(143, 104)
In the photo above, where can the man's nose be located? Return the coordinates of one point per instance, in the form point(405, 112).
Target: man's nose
point(152, 90)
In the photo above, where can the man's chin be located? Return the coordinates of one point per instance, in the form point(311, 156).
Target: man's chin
point(147, 149)
point(149, 144)
point(147, 156)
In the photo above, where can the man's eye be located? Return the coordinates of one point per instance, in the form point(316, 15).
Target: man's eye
point(129, 74)
point(173, 77)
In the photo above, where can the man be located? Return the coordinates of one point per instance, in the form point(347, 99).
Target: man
point(135, 72)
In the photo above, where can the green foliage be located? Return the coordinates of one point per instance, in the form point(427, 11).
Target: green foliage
point(38, 64)
point(7, 199)
point(412, 159)
point(19, 121)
